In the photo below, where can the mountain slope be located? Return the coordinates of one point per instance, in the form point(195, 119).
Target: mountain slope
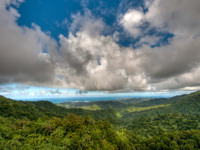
point(30, 110)
point(189, 104)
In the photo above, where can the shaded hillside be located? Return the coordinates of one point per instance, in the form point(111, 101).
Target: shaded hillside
point(188, 103)
point(179, 104)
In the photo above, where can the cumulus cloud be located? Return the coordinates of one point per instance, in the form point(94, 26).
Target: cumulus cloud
point(81, 53)
point(131, 22)
point(86, 23)
point(181, 17)
point(88, 60)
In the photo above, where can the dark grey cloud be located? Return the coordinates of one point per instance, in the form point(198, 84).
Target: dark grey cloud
point(179, 57)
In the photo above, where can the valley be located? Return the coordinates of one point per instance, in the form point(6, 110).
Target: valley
point(172, 123)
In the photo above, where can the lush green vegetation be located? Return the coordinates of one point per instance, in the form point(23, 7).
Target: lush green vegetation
point(72, 132)
point(126, 124)
point(134, 109)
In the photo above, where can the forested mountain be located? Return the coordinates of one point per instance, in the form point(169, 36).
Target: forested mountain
point(172, 123)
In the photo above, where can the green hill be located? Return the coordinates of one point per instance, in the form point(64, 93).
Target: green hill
point(184, 104)
point(187, 103)
point(30, 110)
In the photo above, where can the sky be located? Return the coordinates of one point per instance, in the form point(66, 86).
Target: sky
point(70, 47)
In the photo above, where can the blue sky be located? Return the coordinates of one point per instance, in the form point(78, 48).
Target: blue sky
point(56, 17)
point(60, 48)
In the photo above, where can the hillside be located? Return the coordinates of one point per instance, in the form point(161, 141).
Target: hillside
point(180, 104)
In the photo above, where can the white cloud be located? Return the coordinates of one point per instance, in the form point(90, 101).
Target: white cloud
point(131, 21)
point(180, 17)
point(43, 92)
point(86, 23)
point(83, 71)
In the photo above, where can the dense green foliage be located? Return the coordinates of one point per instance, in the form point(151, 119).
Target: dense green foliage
point(72, 132)
point(126, 124)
